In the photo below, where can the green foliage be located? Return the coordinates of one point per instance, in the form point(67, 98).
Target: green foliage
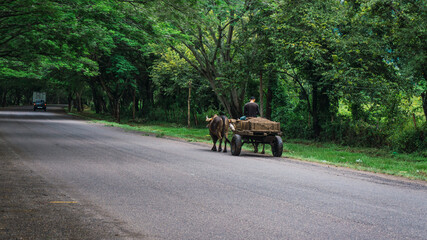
point(290, 113)
point(121, 68)
point(172, 77)
point(355, 133)
point(212, 37)
point(410, 139)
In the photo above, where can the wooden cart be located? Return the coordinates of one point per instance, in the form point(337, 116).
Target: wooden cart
point(256, 131)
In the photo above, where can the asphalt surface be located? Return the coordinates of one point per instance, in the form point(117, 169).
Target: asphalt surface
point(65, 178)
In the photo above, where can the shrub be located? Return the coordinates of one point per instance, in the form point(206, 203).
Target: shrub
point(354, 133)
point(410, 139)
point(292, 124)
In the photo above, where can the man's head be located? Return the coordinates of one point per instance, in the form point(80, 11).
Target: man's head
point(252, 99)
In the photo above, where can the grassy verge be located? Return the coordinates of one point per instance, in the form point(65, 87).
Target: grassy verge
point(366, 159)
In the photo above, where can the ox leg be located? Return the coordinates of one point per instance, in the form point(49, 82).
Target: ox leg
point(263, 148)
point(225, 144)
point(214, 139)
point(220, 143)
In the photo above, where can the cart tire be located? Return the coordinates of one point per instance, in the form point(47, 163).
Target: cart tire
point(236, 145)
point(277, 146)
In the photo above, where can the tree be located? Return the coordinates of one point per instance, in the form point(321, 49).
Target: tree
point(408, 26)
point(37, 37)
point(333, 51)
point(176, 81)
point(305, 36)
point(211, 31)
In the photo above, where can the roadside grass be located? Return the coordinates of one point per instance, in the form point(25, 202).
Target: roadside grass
point(157, 129)
point(366, 159)
point(161, 130)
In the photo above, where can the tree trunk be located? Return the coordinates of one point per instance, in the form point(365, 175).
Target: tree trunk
point(272, 83)
point(233, 106)
point(114, 99)
point(134, 104)
point(70, 102)
point(3, 98)
point(269, 99)
point(196, 123)
point(188, 105)
point(261, 96)
point(79, 102)
point(103, 105)
point(204, 64)
point(167, 115)
point(424, 100)
point(97, 99)
point(117, 110)
point(147, 97)
point(315, 111)
point(17, 97)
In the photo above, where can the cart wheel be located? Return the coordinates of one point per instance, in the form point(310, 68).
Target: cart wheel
point(277, 146)
point(236, 145)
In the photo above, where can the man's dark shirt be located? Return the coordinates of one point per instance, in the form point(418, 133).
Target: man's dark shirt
point(251, 109)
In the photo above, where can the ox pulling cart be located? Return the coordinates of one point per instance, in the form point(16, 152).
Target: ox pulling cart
point(256, 131)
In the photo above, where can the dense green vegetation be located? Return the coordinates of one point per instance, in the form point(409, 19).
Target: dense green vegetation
point(351, 72)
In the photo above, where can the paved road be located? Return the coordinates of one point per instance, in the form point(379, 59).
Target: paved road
point(65, 178)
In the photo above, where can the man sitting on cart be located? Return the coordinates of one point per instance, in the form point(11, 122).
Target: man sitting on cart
point(251, 109)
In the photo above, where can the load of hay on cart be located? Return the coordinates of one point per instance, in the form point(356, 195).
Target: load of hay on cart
point(256, 131)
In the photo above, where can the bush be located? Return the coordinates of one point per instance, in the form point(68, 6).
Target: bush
point(410, 139)
point(344, 131)
point(293, 126)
